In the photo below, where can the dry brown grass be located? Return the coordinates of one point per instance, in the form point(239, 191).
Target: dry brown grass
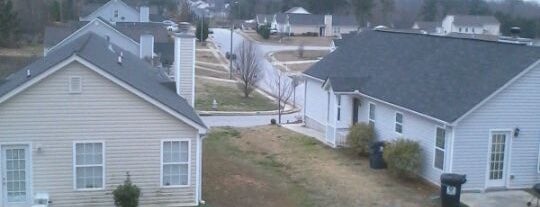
point(299, 67)
point(293, 55)
point(322, 176)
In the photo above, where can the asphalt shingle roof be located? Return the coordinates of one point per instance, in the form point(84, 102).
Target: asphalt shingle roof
point(442, 77)
point(133, 71)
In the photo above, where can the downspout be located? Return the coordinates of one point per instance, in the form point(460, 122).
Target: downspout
point(199, 199)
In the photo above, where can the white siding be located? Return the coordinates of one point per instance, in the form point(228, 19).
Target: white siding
point(516, 106)
point(415, 127)
point(48, 116)
point(315, 105)
point(125, 13)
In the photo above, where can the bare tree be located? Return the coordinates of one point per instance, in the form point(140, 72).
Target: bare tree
point(247, 67)
point(283, 88)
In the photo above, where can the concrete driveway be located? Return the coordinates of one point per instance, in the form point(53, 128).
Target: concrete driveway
point(510, 198)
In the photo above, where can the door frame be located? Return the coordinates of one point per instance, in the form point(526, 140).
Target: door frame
point(507, 157)
point(30, 172)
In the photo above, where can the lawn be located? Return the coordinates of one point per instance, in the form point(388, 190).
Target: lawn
point(299, 67)
point(295, 40)
point(272, 166)
point(12, 60)
point(293, 55)
point(229, 97)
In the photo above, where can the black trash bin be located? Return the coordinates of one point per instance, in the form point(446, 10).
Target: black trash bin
point(451, 189)
point(376, 160)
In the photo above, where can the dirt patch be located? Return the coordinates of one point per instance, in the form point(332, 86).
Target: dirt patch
point(329, 177)
point(12, 60)
point(284, 56)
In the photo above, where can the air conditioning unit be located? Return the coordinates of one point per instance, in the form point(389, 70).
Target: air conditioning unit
point(41, 200)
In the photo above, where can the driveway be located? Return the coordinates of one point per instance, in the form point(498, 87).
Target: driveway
point(222, 38)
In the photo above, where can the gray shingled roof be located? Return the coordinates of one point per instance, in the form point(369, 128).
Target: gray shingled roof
point(468, 20)
point(133, 71)
point(164, 45)
point(442, 77)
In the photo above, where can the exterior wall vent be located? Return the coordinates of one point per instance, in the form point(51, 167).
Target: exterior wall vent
point(75, 84)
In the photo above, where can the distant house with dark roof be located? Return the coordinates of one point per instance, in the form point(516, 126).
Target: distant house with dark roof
point(80, 120)
point(472, 105)
point(308, 24)
point(297, 10)
point(471, 24)
point(144, 39)
point(115, 11)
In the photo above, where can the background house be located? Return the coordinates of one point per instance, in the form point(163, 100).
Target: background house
point(300, 23)
point(469, 24)
point(74, 122)
point(116, 11)
point(470, 104)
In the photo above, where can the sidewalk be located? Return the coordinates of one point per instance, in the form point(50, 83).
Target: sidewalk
point(300, 128)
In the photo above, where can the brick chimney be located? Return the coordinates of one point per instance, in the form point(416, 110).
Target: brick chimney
point(184, 62)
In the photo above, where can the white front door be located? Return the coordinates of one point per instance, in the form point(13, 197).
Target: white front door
point(498, 159)
point(15, 175)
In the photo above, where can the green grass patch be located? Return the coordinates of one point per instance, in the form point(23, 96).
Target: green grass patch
point(228, 97)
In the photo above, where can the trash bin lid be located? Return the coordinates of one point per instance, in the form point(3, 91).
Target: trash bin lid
point(453, 179)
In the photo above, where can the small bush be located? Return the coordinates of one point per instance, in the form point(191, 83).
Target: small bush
point(127, 195)
point(403, 157)
point(264, 31)
point(273, 121)
point(360, 137)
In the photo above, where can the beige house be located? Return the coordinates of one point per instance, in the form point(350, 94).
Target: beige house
point(73, 123)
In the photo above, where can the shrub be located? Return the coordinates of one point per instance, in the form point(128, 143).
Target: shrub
point(360, 137)
point(127, 195)
point(264, 31)
point(403, 157)
point(273, 121)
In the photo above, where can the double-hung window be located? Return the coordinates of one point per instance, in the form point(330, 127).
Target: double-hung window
point(89, 166)
point(371, 114)
point(175, 163)
point(440, 142)
point(116, 13)
point(399, 123)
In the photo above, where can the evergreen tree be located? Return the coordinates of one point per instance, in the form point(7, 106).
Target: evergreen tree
point(204, 28)
point(362, 10)
point(8, 24)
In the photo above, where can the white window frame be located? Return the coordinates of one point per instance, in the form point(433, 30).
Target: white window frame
point(397, 123)
point(116, 13)
point(71, 89)
point(103, 165)
point(188, 163)
point(438, 148)
point(372, 119)
point(538, 166)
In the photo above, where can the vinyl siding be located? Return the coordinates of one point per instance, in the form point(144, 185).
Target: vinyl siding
point(47, 116)
point(515, 106)
point(316, 102)
point(107, 13)
point(415, 127)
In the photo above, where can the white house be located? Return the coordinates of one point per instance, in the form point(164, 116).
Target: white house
point(295, 22)
point(469, 24)
point(472, 105)
point(74, 122)
point(116, 11)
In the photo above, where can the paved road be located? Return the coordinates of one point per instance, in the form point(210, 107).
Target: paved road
point(222, 38)
point(244, 121)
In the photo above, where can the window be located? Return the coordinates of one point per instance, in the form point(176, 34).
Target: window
point(337, 30)
point(460, 29)
point(372, 114)
point(440, 142)
point(399, 123)
point(473, 30)
point(175, 163)
point(338, 97)
point(89, 165)
point(116, 13)
point(466, 29)
point(75, 84)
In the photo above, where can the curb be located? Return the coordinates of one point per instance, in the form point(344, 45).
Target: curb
point(245, 113)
